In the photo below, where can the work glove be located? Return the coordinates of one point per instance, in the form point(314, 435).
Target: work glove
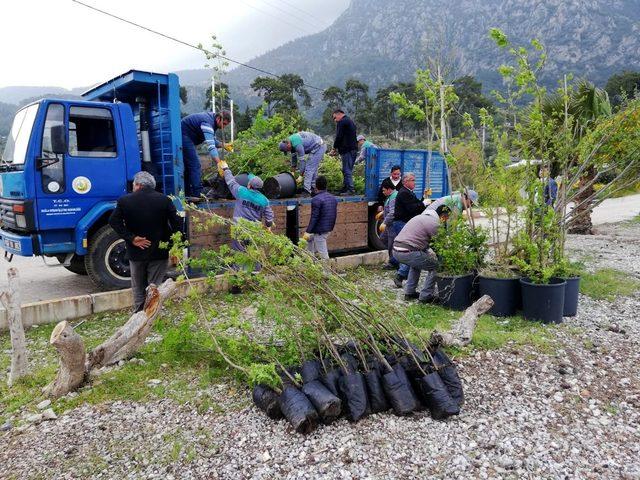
point(299, 179)
point(379, 215)
point(307, 236)
point(221, 166)
point(228, 147)
point(427, 193)
point(382, 228)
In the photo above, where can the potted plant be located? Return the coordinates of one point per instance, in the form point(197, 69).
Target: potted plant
point(460, 248)
point(500, 191)
point(569, 272)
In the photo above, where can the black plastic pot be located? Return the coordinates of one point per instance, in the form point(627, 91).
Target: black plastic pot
point(543, 302)
point(282, 185)
point(455, 292)
point(571, 296)
point(505, 293)
point(241, 178)
point(328, 405)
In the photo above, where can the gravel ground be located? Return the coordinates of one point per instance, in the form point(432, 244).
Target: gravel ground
point(574, 413)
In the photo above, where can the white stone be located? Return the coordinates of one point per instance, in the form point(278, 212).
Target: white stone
point(43, 404)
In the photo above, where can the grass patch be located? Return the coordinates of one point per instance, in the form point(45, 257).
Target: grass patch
point(180, 354)
point(608, 283)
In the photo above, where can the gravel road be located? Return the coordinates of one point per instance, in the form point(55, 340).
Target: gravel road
point(570, 414)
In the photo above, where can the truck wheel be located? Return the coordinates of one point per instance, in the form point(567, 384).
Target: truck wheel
point(375, 243)
point(106, 264)
point(76, 265)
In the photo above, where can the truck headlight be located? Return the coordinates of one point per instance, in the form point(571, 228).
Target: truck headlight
point(21, 221)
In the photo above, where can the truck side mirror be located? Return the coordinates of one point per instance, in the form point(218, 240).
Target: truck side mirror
point(59, 139)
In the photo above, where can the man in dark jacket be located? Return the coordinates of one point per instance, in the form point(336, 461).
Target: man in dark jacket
point(407, 206)
point(324, 207)
point(143, 219)
point(200, 128)
point(346, 145)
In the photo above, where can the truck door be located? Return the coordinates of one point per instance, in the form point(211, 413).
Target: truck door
point(92, 169)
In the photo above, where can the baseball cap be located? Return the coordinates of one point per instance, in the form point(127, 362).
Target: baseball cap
point(283, 147)
point(472, 195)
point(360, 137)
point(255, 182)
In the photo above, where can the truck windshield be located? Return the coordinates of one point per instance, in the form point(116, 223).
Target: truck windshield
point(15, 151)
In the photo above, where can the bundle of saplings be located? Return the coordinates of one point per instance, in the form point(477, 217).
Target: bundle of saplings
point(319, 346)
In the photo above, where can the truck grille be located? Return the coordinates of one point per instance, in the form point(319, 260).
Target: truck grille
point(8, 216)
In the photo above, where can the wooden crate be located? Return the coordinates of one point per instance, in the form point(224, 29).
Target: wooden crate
point(352, 225)
point(213, 236)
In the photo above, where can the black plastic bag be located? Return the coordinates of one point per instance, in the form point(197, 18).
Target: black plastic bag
point(310, 370)
point(400, 396)
point(377, 399)
point(266, 399)
point(354, 394)
point(407, 345)
point(298, 410)
point(328, 405)
point(437, 397)
point(350, 361)
point(331, 379)
point(449, 375)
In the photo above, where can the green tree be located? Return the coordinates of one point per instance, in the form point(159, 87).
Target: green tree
point(357, 93)
point(622, 87)
point(334, 98)
point(470, 100)
point(282, 94)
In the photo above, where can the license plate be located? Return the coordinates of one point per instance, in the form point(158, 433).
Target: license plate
point(12, 245)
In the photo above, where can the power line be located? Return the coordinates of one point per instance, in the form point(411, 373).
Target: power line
point(296, 16)
point(301, 10)
point(182, 42)
point(273, 16)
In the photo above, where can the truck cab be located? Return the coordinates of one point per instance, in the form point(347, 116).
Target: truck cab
point(66, 162)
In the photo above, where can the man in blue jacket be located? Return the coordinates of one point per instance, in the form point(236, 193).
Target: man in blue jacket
point(346, 145)
point(324, 207)
point(301, 144)
point(200, 128)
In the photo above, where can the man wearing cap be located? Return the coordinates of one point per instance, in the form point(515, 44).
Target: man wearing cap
point(301, 144)
point(411, 247)
point(200, 128)
point(250, 204)
point(363, 144)
point(346, 145)
point(456, 203)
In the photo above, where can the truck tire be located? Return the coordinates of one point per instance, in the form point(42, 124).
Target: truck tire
point(375, 243)
point(106, 264)
point(76, 265)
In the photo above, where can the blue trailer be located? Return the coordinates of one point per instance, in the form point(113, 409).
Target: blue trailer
point(66, 162)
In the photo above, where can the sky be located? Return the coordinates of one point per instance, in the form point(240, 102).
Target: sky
point(61, 43)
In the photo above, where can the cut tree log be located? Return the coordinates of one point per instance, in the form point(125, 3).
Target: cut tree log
point(71, 350)
point(462, 331)
point(11, 301)
point(76, 365)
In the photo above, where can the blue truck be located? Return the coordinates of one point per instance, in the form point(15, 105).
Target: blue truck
point(66, 162)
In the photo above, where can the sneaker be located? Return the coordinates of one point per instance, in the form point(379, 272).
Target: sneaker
point(397, 281)
point(346, 193)
point(411, 296)
point(389, 266)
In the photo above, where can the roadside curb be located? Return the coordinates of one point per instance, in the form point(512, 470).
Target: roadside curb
point(72, 308)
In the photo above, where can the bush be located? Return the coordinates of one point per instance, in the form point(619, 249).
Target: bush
point(459, 249)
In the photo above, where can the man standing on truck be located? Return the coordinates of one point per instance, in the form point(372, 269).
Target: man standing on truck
point(301, 144)
point(200, 128)
point(250, 204)
point(407, 206)
point(143, 219)
point(324, 210)
point(411, 247)
point(346, 145)
point(363, 144)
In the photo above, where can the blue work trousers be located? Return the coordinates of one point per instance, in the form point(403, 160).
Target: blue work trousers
point(348, 160)
point(396, 226)
point(192, 168)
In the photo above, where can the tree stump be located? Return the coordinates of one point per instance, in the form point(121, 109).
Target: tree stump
point(71, 349)
point(11, 300)
point(461, 333)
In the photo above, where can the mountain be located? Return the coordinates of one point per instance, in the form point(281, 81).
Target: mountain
point(17, 95)
point(381, 41)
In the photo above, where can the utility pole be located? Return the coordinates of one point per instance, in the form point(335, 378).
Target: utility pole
point(232, 119)
point(213, 93)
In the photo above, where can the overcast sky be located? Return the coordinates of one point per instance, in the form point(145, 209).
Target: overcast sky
point(61, 43)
